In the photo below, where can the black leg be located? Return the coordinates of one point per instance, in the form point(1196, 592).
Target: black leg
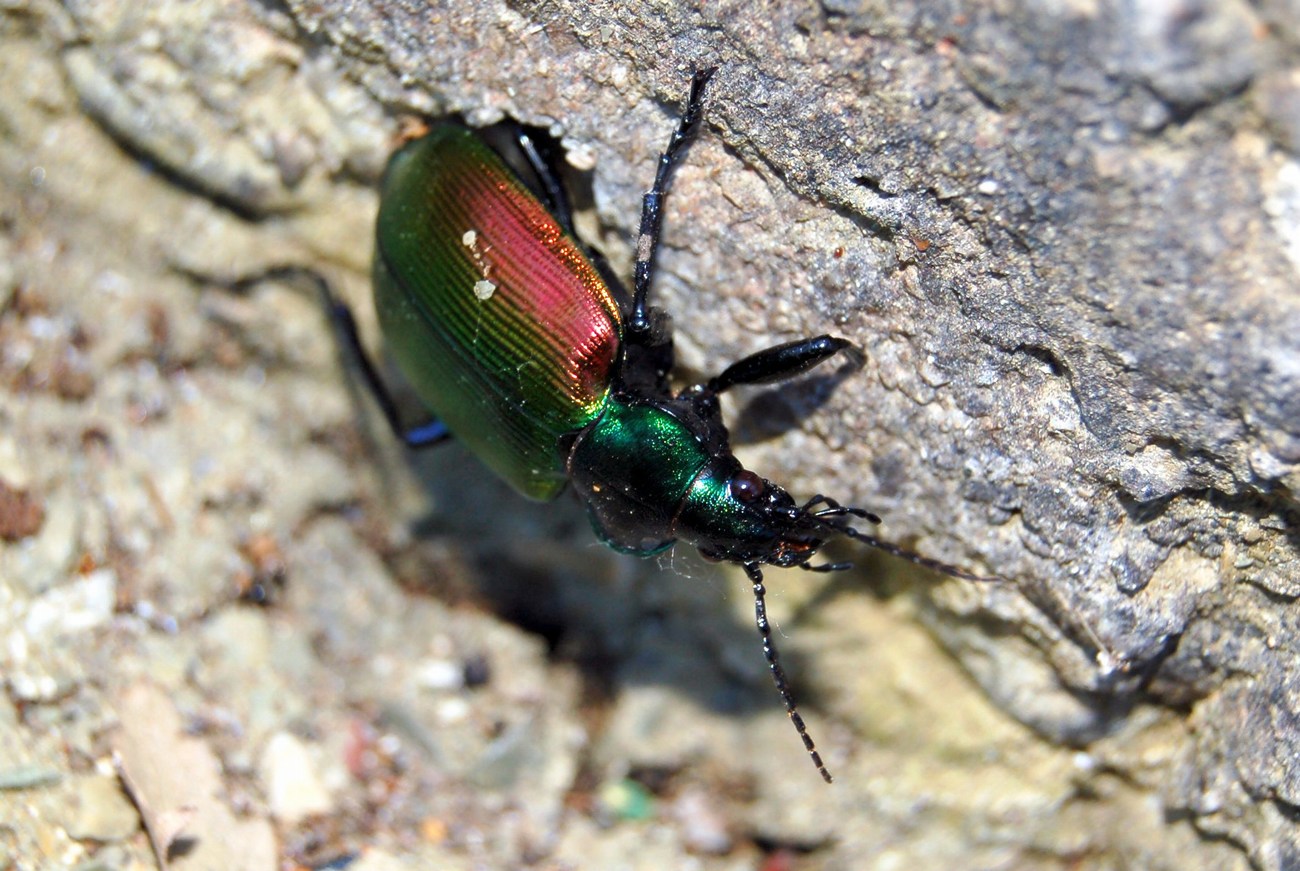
point(552, 188)
point(778, 673)
point(782, 361)
point(542, 161)
point(638, 326)
point(345, 325)
point(423, 436)
point(826, 567)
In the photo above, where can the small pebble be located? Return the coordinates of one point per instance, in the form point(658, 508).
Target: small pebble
point(626, 800)
point(704, 827)
point(21, 513)
point(103, 812)
point(440, 674)
point(73, 608)
point(294, 789)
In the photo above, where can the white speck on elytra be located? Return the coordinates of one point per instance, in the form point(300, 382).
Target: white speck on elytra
point(482, 289)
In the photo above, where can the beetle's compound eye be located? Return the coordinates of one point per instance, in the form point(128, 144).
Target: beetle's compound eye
point(746, 486)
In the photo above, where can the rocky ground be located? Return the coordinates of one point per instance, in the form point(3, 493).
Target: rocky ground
point(243, 629)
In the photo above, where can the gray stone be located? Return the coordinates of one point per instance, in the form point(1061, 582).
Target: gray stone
point(1064, 233)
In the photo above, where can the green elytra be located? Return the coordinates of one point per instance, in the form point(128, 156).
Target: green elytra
point(504, 328)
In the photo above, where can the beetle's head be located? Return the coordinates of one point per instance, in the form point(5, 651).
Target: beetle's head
point(734, 515)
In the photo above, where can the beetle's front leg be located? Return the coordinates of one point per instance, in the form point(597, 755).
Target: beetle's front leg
point(781, 362)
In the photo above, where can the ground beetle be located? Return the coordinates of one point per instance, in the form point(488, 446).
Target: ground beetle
point(515, 339)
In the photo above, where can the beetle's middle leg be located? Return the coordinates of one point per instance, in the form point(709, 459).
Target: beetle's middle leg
point(557, 201)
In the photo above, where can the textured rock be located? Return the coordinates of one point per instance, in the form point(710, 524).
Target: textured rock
point(1066, 234)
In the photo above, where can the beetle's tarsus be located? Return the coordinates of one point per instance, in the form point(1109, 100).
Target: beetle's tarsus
point(826, 567)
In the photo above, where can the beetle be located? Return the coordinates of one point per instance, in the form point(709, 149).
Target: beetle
point(522, 348)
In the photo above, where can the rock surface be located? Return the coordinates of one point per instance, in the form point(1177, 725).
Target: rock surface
point(1067, 235)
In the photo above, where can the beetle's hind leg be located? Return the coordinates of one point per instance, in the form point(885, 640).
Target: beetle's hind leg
point(345, 325)
point(543, 167)
point(543, 161)
point(647, 242)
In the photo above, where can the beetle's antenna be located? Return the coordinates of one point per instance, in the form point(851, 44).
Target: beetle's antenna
point(778, 673)
point(647, 240)
point(911, 556)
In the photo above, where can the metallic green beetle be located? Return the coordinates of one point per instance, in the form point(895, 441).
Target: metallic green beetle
point(516, 342)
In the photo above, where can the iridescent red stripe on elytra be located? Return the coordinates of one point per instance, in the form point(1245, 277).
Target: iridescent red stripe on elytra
point(567, 330)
